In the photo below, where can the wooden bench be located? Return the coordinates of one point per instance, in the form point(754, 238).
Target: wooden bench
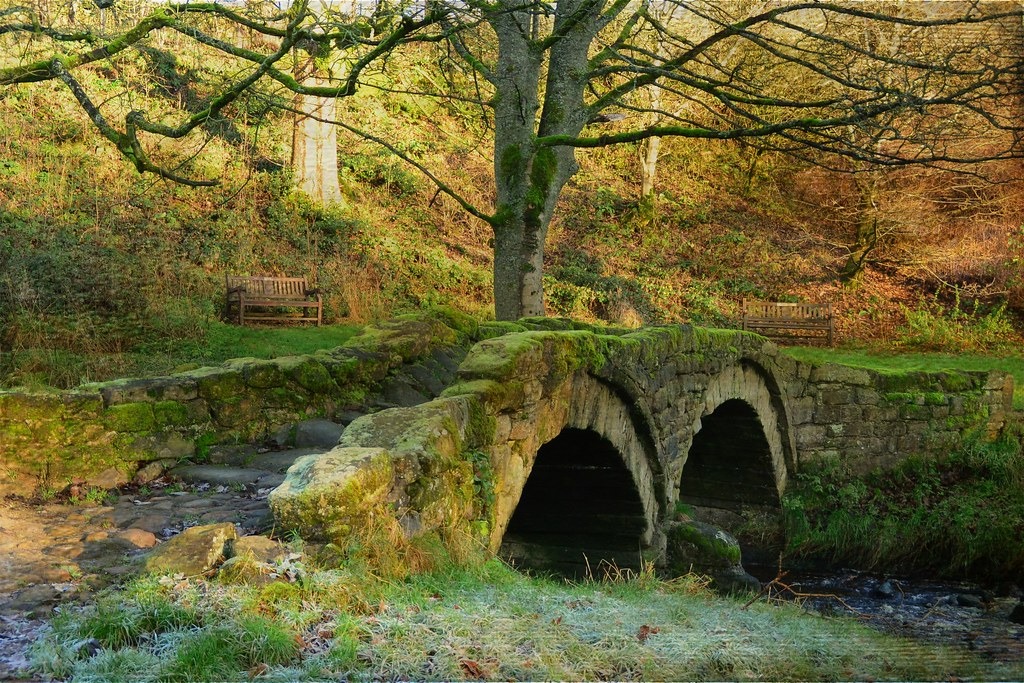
point(272, 298)
point(789, 322)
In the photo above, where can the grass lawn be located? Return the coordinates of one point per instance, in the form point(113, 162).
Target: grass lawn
point(480, 623)
point(217, 342)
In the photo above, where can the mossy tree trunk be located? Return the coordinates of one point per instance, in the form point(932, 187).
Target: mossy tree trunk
point(866, 234)
point(529, 175)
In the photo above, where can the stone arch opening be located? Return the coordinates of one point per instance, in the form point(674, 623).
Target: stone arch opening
point(730, 463)
point(579, 507)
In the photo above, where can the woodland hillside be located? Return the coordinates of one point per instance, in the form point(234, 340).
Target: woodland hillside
point(102, 263)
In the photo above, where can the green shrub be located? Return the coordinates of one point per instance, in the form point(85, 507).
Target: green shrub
point(938, 327)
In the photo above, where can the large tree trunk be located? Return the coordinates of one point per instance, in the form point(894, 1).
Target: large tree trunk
point(315, 150)
point(529, 177)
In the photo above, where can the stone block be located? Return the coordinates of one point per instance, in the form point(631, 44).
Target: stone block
point(915, 412)
point(309, 374)
point(828, 414)
point(810, 436)
point(836, 395)
point(851, 413)
point(502, 428)
point(801, 410)
point(880, 414)
point(126, 391)
point(168, 446)
point(263, 374)
point(193, 552)
point(868, 397)
point(219, 384)
point(171, 414)
point(840, 374)
point(130, 417)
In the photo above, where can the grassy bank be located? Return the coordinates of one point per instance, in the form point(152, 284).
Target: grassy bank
point(487, 622)
point(43, 361)
point(906, 361)
point(962, 516)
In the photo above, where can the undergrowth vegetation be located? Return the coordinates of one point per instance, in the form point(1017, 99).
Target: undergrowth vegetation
point(958, 516)
point(471, 623)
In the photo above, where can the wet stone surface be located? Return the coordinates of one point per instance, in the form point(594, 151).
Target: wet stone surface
point(59, 551)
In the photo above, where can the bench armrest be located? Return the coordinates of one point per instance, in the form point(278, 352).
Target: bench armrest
point(235, 290)
point(313, 292)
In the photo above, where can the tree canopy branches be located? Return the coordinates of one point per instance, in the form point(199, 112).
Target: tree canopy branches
point(869, 81)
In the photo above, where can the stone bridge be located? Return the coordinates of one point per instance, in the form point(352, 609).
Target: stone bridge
point(567, 446)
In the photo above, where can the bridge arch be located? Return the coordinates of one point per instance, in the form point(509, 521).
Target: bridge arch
point(741, 449)
point(595, 491)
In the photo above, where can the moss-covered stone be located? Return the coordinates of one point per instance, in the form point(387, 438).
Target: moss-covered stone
point(263, 374)
point(193, 552)
point(498, 328)
point(130, 417)
point(15, 406)
point(329, 496)
point(694, 544)
point(235, 411)
point(171, 414)
point(309, 374)
point(499, 396)
point(218, 384)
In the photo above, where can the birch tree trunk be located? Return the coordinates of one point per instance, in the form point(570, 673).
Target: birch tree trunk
point(315, 149)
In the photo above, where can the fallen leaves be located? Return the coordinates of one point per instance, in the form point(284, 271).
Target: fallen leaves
point(645, 632)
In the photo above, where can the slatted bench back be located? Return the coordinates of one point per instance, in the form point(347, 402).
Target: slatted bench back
point(771, 310)
point(784, 321)
point(257, 287)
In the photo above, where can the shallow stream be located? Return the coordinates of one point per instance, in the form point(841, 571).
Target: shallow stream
point(953, 613)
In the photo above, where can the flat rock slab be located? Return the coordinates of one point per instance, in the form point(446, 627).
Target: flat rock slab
point(219, 474)
point(279, 461)
point(317, 432)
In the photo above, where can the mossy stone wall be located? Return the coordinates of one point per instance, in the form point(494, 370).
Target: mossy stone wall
point(104, 433)
point(870, 420)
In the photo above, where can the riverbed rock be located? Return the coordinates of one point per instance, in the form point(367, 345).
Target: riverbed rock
point(193, 552)
point(138, 538)
point(702, 548)
point(260, 548)
point(886, 590)
point(970, 600)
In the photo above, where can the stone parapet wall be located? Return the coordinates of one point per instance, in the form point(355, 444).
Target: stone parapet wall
point(104, 434)
point(868, 420)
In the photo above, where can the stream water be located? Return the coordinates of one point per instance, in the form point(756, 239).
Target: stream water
point(952, 613)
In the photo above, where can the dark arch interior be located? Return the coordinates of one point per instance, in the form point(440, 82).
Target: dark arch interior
point(730, 462)
point(580, 506)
